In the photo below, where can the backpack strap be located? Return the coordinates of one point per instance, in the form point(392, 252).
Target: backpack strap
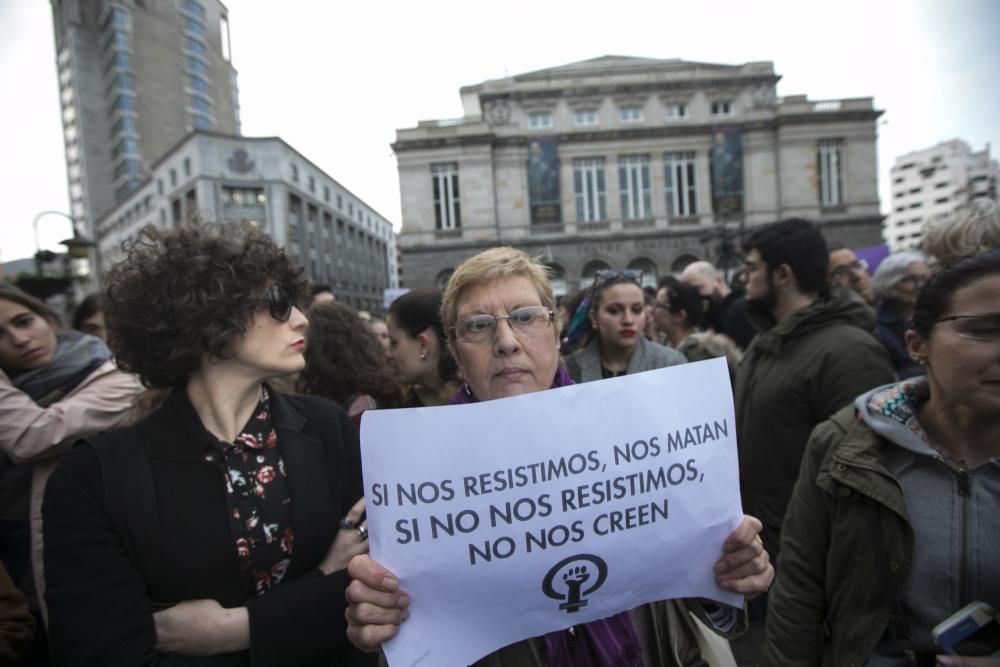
point(130, 498)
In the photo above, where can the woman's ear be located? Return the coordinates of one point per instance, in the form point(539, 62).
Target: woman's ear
point(427, 342)
point(916, 347)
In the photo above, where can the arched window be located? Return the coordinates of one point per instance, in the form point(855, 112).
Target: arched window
point(681, 263)
point(591, 268)
point(648, 268)
point(442, 278)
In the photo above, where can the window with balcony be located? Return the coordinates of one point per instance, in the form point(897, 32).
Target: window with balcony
point(589, 189)
point(633, 183)
point(681, 184)
point(447, 203)
point(830, 156)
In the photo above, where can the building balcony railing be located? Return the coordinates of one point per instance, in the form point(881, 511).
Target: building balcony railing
point(448, 233)
point(684, 220)
point(549, 228)
point(596, 226)
point(645, 223)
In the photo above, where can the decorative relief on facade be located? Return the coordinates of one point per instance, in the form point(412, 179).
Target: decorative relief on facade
point(497, 112)
point(240, 162)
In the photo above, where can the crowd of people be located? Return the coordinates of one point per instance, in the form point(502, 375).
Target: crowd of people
point(211, 511)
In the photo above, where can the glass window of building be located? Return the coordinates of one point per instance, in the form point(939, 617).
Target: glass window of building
point(829, 154)
point(675, 111)
point(447, 206)
point(723, 108)
point(585, 117)
point(631, 114)
point(197, 67)
point(633, 183)
point(194, 46)
point(125, 103)
point(681, 184)
point(201, 104)
point(589, 189)
point(194, 8)
point(540, 119)
point(199, 122)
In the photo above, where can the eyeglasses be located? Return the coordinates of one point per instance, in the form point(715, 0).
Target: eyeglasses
point(844, 271)
point(480, 328)
point(609, 274)
point(975, 327)
point(279, 303)
point(913, 281)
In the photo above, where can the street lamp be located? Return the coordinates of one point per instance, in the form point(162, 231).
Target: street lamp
point(77, 247)
point(43, 286)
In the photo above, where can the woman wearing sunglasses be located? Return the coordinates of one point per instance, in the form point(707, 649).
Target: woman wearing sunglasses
point(498, 312)
point(616, 312)
point(215, 530)
point(893, 526)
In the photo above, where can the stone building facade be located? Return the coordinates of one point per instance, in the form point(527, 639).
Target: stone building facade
point(623, 162)
point(338, 238)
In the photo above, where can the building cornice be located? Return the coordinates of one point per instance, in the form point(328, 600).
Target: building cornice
point(627, 134)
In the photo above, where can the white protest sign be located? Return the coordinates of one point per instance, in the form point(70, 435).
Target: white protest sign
point(512, 518)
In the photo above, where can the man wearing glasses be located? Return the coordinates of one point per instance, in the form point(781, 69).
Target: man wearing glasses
point(848, 270)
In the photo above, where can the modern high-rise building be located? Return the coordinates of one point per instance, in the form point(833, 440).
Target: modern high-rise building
point(936, 181)
point(623, 162)
point(135, 77)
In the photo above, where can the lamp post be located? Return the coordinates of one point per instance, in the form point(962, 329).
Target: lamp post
point(77, 247)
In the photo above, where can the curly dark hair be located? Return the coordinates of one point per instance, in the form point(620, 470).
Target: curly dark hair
point(181, 294)
point(343, 359)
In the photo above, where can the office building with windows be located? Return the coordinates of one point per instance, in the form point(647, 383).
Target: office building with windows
point(936, 181)
point(135, 77)
point(623, 162)
point(208, 177)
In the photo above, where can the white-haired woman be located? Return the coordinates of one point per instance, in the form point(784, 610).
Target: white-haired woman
point(896, 284)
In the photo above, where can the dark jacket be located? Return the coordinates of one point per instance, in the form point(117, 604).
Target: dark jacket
point(847, 548)
point(585, 365)
point(101, 602)
point(890, 329)
point(795, 375)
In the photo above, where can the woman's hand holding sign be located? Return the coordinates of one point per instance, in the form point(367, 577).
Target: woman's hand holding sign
point(745, 567)
point(376, 605)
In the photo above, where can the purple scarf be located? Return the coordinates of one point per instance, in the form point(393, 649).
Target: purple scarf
point(609, 642)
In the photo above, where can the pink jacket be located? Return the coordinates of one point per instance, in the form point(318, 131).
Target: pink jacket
point(33, 434)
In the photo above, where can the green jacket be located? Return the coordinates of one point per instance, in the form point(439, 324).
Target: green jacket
point(846, 550)
point(796, 374)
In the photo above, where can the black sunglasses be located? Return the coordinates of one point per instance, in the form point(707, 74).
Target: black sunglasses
point(279, 303)
point(607, 275)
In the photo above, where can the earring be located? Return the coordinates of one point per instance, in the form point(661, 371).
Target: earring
point(423, 356)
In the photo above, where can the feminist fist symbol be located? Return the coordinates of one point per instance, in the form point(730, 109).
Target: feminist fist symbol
point(578, 576)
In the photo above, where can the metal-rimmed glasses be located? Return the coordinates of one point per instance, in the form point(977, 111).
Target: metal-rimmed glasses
point(480, 328)
point(975, 327)
point(844, 271)
point(279, 303)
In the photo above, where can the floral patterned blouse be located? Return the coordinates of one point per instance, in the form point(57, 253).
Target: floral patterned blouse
point(257, 496)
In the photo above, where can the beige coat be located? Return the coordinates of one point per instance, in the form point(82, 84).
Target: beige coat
point(32, 434)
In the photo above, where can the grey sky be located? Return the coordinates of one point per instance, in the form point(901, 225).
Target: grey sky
point(336, 79)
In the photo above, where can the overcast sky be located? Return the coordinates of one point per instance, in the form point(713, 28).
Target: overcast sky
point(335, 79)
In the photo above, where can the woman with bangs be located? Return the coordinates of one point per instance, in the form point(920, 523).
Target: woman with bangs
point(616, 313)
point(215, 530)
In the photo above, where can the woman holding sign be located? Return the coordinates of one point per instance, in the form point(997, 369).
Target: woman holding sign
point(210, 532)
point(892, 530)
point(498, 312)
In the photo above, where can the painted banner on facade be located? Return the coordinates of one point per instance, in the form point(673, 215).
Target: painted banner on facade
point(727, 171)
point(543, 181)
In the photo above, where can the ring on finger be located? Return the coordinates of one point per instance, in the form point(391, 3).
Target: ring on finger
point(363, 532)
point(347, 522)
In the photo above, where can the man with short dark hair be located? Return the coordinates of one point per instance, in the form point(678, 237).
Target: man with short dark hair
point(321, 293)
point(813, 354)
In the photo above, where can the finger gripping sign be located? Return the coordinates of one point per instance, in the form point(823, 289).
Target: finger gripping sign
point(512, 518)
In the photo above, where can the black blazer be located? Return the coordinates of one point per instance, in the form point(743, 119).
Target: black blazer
point(100, 602)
